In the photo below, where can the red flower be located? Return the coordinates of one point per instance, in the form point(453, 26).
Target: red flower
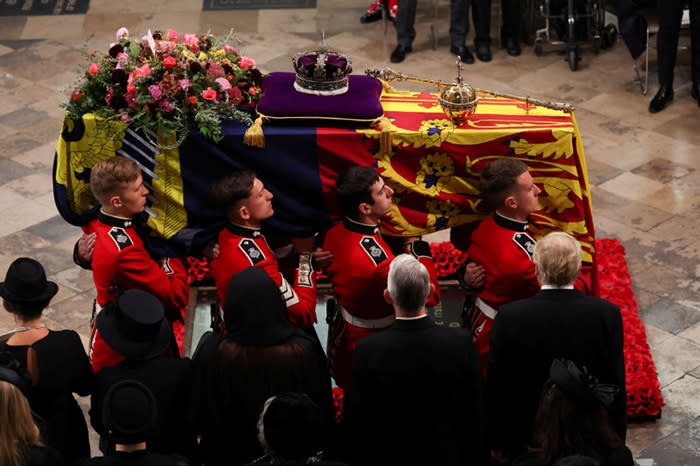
point(94, 68)
point(209, 94)
point(192, 101)
point(169, 62)
point(76, 96)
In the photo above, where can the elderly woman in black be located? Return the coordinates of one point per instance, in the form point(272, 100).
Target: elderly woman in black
point(260, 355)
point(56, 360)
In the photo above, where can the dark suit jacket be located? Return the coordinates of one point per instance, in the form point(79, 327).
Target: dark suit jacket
point(416, 397)
point(526, 336)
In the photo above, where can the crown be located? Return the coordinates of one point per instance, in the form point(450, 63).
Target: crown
point(321, 72)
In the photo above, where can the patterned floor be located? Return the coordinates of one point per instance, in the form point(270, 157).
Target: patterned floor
point(644, 169)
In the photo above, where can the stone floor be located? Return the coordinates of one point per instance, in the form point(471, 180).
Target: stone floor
point(644, 169)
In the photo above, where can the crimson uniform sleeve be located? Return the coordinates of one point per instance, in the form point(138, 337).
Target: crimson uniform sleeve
point(167, 282)
point(421, 251)
point(301, 295)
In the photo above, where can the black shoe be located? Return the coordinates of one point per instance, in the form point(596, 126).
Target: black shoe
point(464, 53)
point(399, 53)
point(483, 52)
point(512, 47)
point(371, 17)
point(661, 99)
point(695, 92)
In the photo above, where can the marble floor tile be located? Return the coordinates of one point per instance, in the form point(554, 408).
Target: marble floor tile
point(631, 186)
point(671, 316)
point(656, 336)
point(676, 356)
point(42, 27)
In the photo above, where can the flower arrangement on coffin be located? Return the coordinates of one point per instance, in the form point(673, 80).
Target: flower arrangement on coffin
point(168, 82)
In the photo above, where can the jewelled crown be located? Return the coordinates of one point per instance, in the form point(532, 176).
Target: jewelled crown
point(321, 72)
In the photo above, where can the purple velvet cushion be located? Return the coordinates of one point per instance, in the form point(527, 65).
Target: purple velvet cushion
point(360, 102)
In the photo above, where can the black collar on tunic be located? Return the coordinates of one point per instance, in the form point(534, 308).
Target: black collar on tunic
point(361, 228)
point(243, 231)
point(113, 221)
point(509, 223)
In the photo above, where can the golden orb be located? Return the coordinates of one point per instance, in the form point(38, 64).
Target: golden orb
point(458, 101)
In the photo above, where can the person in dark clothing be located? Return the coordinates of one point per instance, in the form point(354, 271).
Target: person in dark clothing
point(130, 415)
point(291, 431)
point(20, 444)
point(260, 355)
point(135, 327)
point(572, 418)
point(670, 13)
point(416, 397)
point(56, 360)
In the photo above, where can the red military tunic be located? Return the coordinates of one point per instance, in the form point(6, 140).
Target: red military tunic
point(503, 246)
point(120, 262)
point(241, 247)
point(359, 271)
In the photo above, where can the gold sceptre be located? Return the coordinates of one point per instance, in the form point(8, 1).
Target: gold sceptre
point(389, 75)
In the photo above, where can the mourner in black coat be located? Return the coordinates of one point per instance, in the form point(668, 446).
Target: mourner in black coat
point(417, 395)
point(559, 322)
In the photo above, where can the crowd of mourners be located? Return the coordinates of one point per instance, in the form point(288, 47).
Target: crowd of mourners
point(534, 377)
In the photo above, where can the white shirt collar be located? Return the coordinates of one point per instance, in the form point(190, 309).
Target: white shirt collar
point(555, 287)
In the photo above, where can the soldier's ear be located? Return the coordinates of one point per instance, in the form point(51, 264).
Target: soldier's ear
point(115, 201)
point(364, 208)
point(243, 212)
point(387, 296)
point(510, 202)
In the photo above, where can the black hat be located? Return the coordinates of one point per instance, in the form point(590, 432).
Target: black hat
point(580, 384)
point(12, 371)
point(130, 413)
point(26, 282)
point(134, 325)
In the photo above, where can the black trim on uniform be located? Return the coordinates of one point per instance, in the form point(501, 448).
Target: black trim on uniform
point(246, 232)
point(361, 228)
point(508, 223)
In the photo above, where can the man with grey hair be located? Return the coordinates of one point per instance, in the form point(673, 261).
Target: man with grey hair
point(558, 322)
point(416, 396)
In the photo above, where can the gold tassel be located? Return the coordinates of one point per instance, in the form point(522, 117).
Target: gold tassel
point(389, 89)
point(254, 135)
point(386, 129)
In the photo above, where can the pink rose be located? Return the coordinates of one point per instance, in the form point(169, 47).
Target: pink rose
point(168, 105)
point(246, 62)
point(228, 48)
point(223, 82)
point(124, 117)
point(171, 36)
point(94, 68)
point(185, 84)
point(191, 40)
point(209, 94)
point(155, 91)
point(144, 70)
point(169, 62)
point(122, 33)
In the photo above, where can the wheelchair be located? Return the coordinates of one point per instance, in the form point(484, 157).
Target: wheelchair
point(573, 21)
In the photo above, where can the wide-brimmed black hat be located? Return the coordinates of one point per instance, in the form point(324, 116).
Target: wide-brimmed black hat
point(134, 325)
point(130, 412)
point(26, 282)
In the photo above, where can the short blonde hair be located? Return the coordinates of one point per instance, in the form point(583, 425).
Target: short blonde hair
point(557, 259)
point(108, 177)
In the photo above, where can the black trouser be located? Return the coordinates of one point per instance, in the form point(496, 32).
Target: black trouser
point(459, 22)
point(670, 14)
point(510, 29)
